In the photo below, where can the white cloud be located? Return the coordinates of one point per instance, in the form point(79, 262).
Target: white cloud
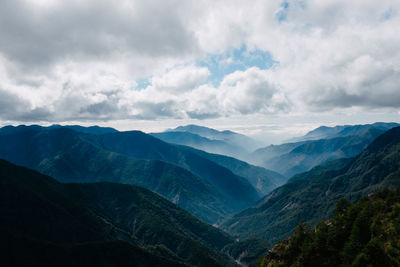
point(251, 91)
point(80, 60)
point(181, 79)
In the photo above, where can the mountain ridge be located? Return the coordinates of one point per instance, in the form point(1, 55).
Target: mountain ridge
point(262, 179)
point(313, 196)
point(199, 142)
point(328, 132)
point(93, 214)
point(293, 158)
point(71, 156)
point(230, 137)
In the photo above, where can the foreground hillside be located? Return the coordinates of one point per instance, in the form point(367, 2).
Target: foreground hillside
point(363, 234)
point(312, 196)
point(44, 222)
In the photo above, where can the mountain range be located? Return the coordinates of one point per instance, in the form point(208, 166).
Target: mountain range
point(210, 140)
point(337, 142)
point(197, 184)
point(229, 137)
point(311, 196)
point(133, 197)
point(202, 143)
point(263, 180)
point(78, 128)
point(325, 132)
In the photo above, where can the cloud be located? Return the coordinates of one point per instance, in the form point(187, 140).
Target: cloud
point(37, 36)
point(349, 67)
point(14, 108)
point(181, 79)
point(82, 60)
point(250, 91)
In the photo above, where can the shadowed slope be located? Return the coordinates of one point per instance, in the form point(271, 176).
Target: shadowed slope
point(63, 218)
point(75, 157)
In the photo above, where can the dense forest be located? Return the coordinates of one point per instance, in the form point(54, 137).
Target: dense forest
point(366, 233)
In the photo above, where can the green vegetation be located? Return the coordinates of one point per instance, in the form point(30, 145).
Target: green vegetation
point(363, 234)
point(44, 222)
point(312, 196)
point(153, 221)
point(247, 252)
point(196, 184)
point(237, 190)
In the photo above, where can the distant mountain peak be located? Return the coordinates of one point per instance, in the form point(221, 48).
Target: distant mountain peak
point(193, 128)
point(230, 137)
point(324, 132)
point(322, 144)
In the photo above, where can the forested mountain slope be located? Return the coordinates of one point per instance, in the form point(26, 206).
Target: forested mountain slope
point(133, 158)
point(366, 233)
point(47, 222)
point(312, 196)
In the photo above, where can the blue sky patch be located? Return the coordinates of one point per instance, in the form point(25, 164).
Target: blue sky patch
point(142, 83)
point(281, 14)
point(221, 65)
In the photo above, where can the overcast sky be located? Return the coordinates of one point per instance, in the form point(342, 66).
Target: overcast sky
point(265, 68)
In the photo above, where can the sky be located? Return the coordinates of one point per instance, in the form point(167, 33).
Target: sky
point(269, 69)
